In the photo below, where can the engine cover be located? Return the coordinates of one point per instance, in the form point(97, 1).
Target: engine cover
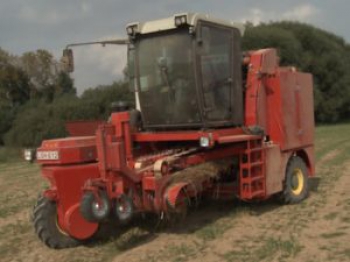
point(69, 150)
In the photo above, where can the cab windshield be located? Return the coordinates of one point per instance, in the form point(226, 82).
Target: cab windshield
point(166, 80)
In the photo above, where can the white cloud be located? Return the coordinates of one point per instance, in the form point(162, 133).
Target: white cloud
point(98, 65)
point(109, 58)
point(86, 8)
point(32, 15)
point(302, 13)
point(256, 16)
point(53, 15)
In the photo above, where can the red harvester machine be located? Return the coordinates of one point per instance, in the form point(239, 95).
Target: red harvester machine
point(207, 122)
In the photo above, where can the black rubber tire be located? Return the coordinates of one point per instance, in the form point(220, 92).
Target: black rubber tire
point(87, 208)
point(125, 216)
point(45, 224)
point(290, 195)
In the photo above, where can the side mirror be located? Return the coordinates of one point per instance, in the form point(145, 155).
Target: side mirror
point(67, 60)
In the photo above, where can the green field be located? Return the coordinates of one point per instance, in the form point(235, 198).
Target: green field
point(316, 230)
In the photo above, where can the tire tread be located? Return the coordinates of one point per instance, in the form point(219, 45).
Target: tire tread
point(287, 197)
point(44, 212)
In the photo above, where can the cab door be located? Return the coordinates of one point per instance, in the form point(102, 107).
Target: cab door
point(218, 75)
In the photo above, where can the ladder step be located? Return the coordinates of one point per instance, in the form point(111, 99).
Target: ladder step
point(252, 164)
point(251, 194)
point(252, 179)
point(257, 193)
point(253, 150)
point(252, 171)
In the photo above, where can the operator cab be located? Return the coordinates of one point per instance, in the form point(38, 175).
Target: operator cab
point(186, 72)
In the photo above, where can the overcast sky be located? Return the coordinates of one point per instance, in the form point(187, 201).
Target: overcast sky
point(27, 25)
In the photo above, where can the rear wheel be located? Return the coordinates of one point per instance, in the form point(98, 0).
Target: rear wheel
point(47, 228)
point(296, 187)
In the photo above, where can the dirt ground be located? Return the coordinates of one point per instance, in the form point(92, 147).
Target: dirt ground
point(318, 229)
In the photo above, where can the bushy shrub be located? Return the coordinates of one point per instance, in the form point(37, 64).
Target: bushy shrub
point(103, 96)
point(33, 123)
point(39, 120)
point(7, 116)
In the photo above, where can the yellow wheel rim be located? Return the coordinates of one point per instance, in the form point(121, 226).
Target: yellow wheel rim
point(297, 181)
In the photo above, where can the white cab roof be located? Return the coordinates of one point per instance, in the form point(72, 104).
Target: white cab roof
point(192, 20)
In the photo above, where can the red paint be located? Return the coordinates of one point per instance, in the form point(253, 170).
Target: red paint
point(76, 225)
point(70, 150)
point(73, 176)
point(82, 128)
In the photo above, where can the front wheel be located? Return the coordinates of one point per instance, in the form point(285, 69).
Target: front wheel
point(95, 210)
point(47, 228)
point(296, 186)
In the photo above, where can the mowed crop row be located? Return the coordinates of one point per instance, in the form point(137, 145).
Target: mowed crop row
point(315, 230)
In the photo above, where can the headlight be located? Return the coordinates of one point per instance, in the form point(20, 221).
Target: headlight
point(180, 20)
point(132, 29)
point(29, 155)
point(204, 141)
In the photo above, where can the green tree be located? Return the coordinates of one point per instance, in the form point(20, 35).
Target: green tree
point(102, 97)
point(34, 123)
point(14, 92)
point(64, 84)
point(39, 120)
point(45, 75)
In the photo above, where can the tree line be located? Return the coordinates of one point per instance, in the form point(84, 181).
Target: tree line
point(37, 97)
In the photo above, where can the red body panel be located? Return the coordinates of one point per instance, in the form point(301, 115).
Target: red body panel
point(83, 128)
point(280, 100)
point(68, 150)
point(67, 183)
point(290, 109)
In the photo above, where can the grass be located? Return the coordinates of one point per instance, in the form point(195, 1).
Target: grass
point(267, 250)
point(10, 155)
point(213, 230)
point(17, 226)
point(179, 253)
point(346, 253)
point(21, 182)
point(216, 229)
point(331, 216)
point(333, 235)
point(285, 248)
point(332, 137)
point(14, 230)
point(173, 253)
point(19, 188)
point(134, 237)
point(335, 139)
point(346, 219)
